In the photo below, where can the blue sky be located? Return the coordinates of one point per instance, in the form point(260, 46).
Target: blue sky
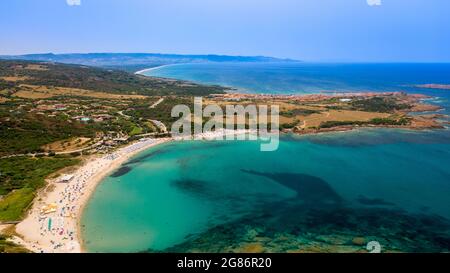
point(311, 30)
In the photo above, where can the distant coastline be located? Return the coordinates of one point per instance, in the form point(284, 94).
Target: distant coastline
point(141, 72)
point(434, 86)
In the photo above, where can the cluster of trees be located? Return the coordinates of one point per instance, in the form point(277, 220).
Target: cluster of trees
point(288, 125)
point(379, 104)
point(6, 85)
point(28, 133)
point(376, 121)
point(162, 112)
point(298, 111)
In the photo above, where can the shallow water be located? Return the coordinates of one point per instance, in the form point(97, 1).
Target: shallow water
point(175, 192)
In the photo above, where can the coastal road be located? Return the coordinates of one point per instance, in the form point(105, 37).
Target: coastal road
point(56, 153)
point(123, 115)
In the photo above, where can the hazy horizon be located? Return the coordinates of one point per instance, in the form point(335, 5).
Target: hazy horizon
point(305, 30)
point(215, 54)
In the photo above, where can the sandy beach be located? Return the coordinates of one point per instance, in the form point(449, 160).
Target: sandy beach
point(141, 72)
point(58, 231)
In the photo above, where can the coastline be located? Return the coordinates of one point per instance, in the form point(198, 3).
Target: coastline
point(31, 230)
point(64, 235)
point(59, 232)
point(140, 72)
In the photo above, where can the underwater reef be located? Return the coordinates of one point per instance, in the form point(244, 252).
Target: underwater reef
point(317, 220)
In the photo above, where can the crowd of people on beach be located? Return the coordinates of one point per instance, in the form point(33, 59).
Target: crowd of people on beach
point(218, 134)
point(60, 226)
point(139, 145)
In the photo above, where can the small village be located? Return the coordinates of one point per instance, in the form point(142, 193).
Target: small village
point(110, 125)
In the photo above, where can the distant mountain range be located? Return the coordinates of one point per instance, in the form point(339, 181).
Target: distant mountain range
point(137, 61)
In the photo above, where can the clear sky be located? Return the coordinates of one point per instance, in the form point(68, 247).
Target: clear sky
point(310, 30)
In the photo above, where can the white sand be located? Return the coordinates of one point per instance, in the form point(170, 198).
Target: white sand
point(140, 72)
point(220, 134)
point(64, 235)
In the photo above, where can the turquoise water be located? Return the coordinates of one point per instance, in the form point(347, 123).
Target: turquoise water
point(316, 193)
point(182, 190)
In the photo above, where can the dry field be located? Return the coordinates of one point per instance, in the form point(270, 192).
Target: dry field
point(43, 92)
point(15, 78)
point(37, 67)
point(315, 120)
point(67, 145)
point(311, 120)
point(3, 99)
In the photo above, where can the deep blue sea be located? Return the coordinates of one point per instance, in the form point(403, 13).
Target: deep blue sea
point(294, 78)
point(320, 193)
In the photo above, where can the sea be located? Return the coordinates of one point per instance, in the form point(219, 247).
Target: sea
point(337, 192)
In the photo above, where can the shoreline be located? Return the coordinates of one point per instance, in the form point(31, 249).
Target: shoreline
point(140, 72)
point(66, 235)
point(60, 231)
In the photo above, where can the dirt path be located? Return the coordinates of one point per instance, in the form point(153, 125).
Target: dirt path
point(156, 103)
point(303, 126)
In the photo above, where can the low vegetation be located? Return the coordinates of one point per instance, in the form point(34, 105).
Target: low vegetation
point(26, 133)
point(379, 104)
point(95, 79)
point(376, 122)
point(9, 247)
point(299, 111)
point(21, 177)
point(162, 112)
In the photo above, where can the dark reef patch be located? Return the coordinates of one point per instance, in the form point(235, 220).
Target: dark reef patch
point(144, 157)
point(193, 186)
point(373, 201)
point(121, 171)
point(209, 191)
point(298, 228)
point(310, 189)
point(316, 221)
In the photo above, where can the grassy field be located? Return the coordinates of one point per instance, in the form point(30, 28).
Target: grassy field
point(136, 131)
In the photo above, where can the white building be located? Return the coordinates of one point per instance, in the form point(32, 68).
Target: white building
point(65, 179)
